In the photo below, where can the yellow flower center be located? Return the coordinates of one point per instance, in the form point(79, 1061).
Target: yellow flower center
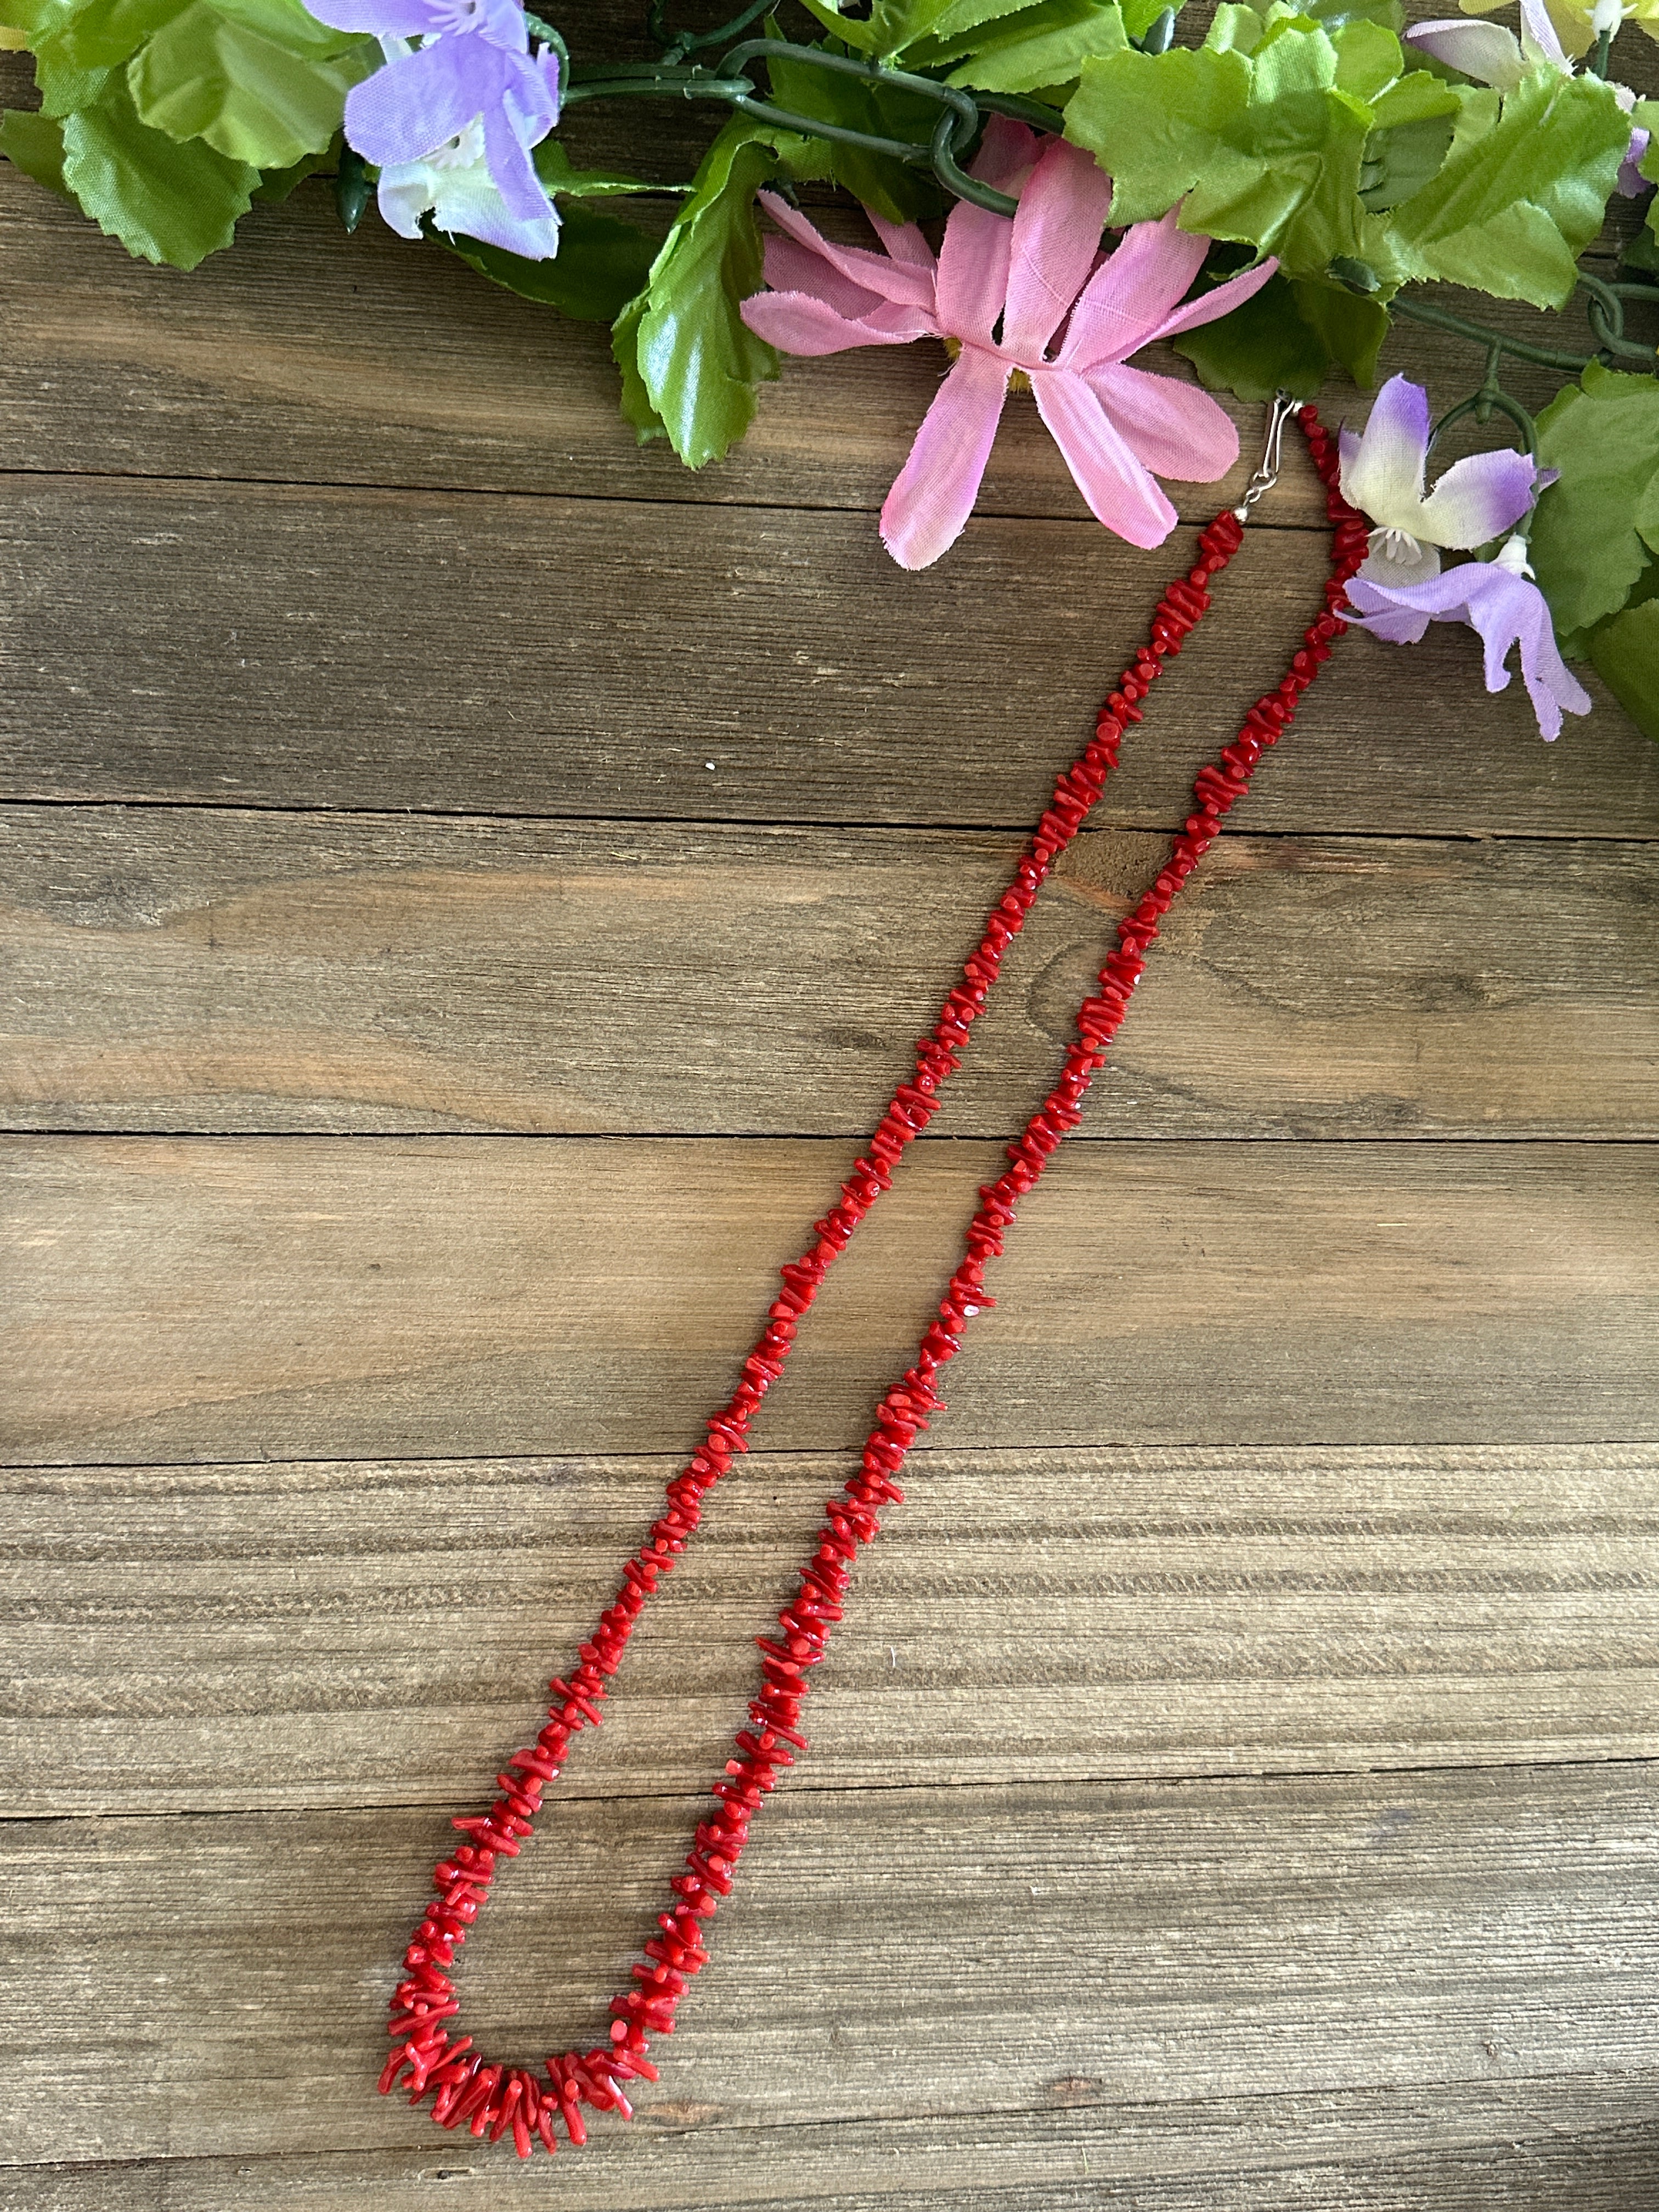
point(1017, 381)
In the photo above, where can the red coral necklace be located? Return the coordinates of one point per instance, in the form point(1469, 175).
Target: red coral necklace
point(499, 2099)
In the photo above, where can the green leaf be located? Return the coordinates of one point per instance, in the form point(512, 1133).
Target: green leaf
point(1646, 113)
point(1289, 336)
point(1415, 121)
point(1043, 45)
point(891, 187)
point(65, 91)
point(1522, 193)
point(1368, 57)
point(101, 33)
point(553, 167)
point(636, 405)
point(895, 27)
point(1389, 14)
point(261, 80)
point(1350, 329)
point(34, 144)
point(275, 186)
point(696, 361)
point(1139, 16)
point(601, 264)
point(1259, 348)
point(166, 199)
point(1625, 650)
point(1264, 147)
point(1596, 528)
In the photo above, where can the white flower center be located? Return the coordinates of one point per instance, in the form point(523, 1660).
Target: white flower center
point(462, 152)
point(1397, 545)
point(1607, 16)
point(1512, 554)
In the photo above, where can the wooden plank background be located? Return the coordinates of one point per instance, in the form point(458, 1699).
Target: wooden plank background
point(465, 889)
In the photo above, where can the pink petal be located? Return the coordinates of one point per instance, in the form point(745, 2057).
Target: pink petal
point(904, 241)
point(973, 261)
point(1062, 212)
point(797, 322)
point(1173, 427)
point(875, 272)
point(1132, 294)
point(928, 506)
point(791, 267)
point(1211, 305)
point(1119, 492)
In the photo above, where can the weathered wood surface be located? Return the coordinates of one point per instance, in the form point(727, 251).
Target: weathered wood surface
point(1000, 1953)
point(334, 1634)
point(299, 1297)
point(178, 968)
point(1524, 2141)
point(236, 644)
point(379, 366)
point(1347, 1448)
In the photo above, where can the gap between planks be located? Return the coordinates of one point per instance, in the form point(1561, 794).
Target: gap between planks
point(290, 1635)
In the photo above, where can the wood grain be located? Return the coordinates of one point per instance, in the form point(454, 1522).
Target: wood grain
point(305, 356)
point(911, 1953)
point(412, 781)
point(186, 1299)
point(238, 644)
point(1525, 2145)
point(174, 969)
point(337, 1634)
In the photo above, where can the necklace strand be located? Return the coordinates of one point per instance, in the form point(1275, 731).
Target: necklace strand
point(496, 2099)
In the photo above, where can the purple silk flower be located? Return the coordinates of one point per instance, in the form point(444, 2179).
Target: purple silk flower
point(1497, 600)
point(473, 67)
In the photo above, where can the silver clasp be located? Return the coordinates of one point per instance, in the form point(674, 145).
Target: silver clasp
point(1273, 452)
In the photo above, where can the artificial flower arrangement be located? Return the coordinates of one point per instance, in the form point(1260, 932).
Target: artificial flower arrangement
point(1269, 200)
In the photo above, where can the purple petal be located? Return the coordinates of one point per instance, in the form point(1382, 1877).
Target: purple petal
point(1478, 499)
point(1383, 478)
point(928, 507)
point(1121, 491)
point(1484, 50)
point(1505, 609)
point(973, 260)
point(1537, 31)
point(1631, 183)
point(415, 104)
point(1173, 428)
point(391, 18)
point(475, 210)
point(1381, 613)
point(1062, 213)
point(522, 190)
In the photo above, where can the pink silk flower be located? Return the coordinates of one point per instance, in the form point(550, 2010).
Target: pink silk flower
point(1001, 289)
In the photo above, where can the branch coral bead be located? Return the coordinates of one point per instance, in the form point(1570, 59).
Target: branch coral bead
point(428, 2062)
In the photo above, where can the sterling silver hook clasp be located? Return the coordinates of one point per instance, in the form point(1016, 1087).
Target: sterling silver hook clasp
point(1273, 453)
